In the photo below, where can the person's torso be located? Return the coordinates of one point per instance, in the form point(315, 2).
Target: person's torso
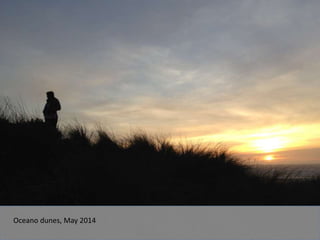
point(52, 106)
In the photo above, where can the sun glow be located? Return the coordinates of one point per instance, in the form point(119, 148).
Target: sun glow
point(269, 158)
point(264, 142)
point(268, 145)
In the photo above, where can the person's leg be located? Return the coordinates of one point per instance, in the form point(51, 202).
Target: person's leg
point(52, 122)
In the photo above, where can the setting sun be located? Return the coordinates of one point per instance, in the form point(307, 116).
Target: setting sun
point(269, 158)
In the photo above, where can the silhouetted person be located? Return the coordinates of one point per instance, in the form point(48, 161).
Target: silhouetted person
point(50, 110)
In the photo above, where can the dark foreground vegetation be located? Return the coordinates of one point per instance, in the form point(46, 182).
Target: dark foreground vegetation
point(41, 165)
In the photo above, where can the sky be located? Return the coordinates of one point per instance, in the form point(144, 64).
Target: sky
point(243, 73)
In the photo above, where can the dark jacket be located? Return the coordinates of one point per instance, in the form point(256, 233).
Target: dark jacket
point(51, 108)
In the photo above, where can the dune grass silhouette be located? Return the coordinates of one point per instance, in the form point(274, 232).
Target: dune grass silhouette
point(42, 166)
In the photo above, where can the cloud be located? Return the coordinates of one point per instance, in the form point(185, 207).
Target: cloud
point(193, 69)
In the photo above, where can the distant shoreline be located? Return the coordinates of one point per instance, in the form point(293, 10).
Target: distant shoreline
point(291, 171)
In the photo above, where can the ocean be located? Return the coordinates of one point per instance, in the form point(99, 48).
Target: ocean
point(293, 171)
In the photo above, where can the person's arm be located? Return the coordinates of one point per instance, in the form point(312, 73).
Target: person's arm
point(58, 105)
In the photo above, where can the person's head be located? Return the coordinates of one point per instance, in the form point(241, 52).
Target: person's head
point(50, 95)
